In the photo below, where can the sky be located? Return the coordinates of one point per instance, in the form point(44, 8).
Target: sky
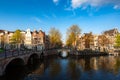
point(90, 15)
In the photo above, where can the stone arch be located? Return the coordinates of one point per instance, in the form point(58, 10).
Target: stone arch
point(41, 55)
point(13, 63)
point(33, 58)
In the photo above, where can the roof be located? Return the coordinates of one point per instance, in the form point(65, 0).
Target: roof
point(1, 31)
point(111, 32)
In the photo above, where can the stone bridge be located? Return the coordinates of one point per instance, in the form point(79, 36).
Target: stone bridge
point(60, 50)
point(18, 58)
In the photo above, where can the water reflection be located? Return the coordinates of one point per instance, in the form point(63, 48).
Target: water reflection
point(73, 71)
point(96, 68)
point(87, 68)
point(101, 67)
point(109, 63)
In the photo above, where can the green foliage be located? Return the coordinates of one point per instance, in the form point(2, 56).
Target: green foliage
point(117, 41)
point(72, 34)
point(17, 37)
point(55, 37)
point(1, 50)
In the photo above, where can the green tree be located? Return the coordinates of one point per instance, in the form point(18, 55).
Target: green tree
point(16, 38)
point(55, 37)
point(72, 35)
point(117, 41)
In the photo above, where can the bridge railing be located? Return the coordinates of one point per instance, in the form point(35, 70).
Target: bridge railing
point(13, 53)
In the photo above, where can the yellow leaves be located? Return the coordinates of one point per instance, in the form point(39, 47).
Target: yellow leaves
point(72, 35)
point(55, 37)
point(16, 38)
point(117, 40)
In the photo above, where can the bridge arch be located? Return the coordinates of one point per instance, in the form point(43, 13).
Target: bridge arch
point(41, 55)
point(33, 59)
point(12, 64)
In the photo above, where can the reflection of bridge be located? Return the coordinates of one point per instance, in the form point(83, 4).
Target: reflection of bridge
point(9, 59)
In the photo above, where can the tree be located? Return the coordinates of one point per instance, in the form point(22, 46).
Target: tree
point(2, 41)
point(55, 37)
point(70, 39)
point(16, 38)
point(117, 41)
point(72, 34)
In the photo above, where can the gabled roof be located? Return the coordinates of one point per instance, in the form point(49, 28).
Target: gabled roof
point(111, 32)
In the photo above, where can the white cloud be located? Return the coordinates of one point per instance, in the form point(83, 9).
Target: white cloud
point(116, 7)
point(77, 3)
point(37, 19)
point(94, 3)
point(56, 1)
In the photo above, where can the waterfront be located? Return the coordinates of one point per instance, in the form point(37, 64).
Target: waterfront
point(70, 68)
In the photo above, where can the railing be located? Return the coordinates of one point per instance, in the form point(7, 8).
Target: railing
point(13, 53)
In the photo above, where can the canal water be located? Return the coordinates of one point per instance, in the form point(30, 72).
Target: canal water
point(71, 68)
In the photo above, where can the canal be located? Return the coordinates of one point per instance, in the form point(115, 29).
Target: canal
point(70, 68)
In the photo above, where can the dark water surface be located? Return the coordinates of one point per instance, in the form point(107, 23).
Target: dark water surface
point(84, 68)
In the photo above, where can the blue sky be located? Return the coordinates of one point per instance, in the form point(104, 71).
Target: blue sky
point(90, 15)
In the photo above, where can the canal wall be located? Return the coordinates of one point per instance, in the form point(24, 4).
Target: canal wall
point(50, 52)
point(87, 53)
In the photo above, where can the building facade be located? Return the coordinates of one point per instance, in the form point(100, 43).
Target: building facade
point(47, 42)
point(103, 42)
point(35, 39)
point(28, 39)
point(111, 34)
point(5, 39)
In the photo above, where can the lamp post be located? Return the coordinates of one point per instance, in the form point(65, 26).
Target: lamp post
point(5, 52)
